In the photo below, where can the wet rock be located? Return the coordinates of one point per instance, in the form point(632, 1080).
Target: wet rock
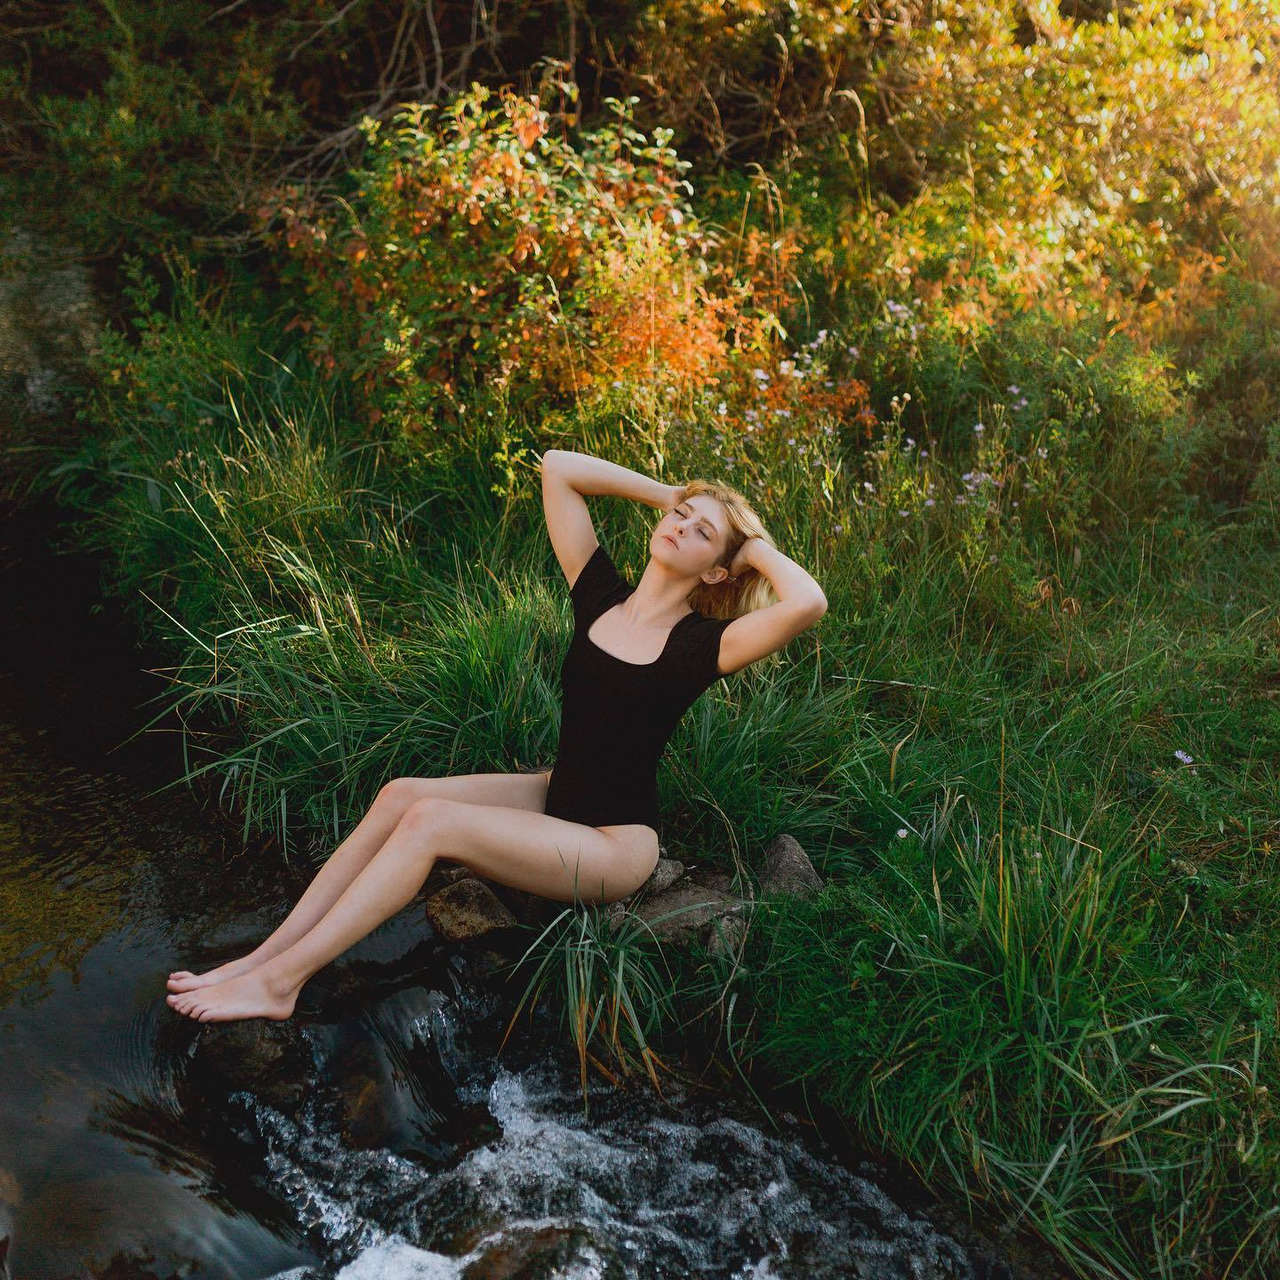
point(467, 909)
point(489, 963)
point(269, 1059)
point(531, 1253)
point(363, 1117)
point(787, 869)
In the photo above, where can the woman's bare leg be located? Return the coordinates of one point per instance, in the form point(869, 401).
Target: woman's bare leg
point(535, 852)
point(514, 790)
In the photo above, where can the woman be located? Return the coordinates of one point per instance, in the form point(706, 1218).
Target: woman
point(586, 829)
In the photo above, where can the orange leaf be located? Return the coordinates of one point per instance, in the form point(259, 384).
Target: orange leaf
point(529, 131)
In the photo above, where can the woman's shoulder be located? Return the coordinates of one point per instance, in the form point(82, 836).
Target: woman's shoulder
point(597, 581)
point(697, 652)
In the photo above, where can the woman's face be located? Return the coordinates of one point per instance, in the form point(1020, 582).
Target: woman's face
point(692, 536)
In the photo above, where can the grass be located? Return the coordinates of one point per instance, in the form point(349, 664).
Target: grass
point(1043, 967)
point(606, 973)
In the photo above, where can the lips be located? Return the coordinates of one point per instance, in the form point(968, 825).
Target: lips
point(671, 540)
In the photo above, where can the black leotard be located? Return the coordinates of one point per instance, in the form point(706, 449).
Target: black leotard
point(616, 716)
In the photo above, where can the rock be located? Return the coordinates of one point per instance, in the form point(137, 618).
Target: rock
point(721, 882)
point(488, 963)
point(269, 1059)
point(687, 908)
point(363, 1114)
point(527, 1252)
point(528, 908)
point(467, 909)
point(665, 874)
point(725, 936)
point(787, 869)
point(442, 874)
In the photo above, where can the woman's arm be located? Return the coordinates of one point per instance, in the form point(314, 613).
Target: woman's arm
point(566, 477)
point(792, 583)
point(587, 474)
point(801, 602)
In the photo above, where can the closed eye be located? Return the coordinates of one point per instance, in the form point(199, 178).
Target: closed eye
point(702, 529)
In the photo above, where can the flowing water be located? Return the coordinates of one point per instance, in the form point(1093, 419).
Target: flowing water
point(380, 1133)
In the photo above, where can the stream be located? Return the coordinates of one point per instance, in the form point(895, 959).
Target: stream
point(380, 1134)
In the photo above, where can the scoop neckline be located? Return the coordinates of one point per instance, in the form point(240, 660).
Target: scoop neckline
point(666, 644)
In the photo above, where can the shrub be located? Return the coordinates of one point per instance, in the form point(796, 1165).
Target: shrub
point(478, 251)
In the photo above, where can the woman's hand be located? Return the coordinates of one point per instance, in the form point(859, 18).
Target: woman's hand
point(671, 497)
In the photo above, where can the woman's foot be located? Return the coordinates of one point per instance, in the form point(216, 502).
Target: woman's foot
point(184, 980)
point(256, 994)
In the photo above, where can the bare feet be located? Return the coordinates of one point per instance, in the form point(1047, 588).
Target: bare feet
point(185, 980)
point(256, 994)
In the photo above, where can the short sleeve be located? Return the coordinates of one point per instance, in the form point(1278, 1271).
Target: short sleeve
point(700, 654)
point(597, 586)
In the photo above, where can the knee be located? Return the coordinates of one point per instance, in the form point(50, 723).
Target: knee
point(432, 819)
point(399, 793)
point(641, 869)
point(648, 865)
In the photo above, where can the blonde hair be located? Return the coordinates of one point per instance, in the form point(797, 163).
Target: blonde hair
point(750, 589)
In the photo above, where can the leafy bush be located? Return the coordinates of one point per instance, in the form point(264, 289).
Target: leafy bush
point(978, 155)
point(478, 252)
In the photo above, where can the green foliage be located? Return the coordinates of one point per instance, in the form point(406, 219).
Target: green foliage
point(477, 251)
point(605, 971)
point(991, 343)
point(135, 124)
point(978, 155)
point(997, 1002)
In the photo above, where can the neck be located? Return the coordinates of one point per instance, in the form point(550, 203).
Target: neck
point(661, 598)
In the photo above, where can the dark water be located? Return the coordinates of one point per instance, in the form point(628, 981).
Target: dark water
point(387, 1137)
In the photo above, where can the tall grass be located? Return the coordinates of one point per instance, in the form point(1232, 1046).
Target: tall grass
point(1031, 748)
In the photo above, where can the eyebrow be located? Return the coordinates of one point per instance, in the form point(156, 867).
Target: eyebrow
point(701, 519)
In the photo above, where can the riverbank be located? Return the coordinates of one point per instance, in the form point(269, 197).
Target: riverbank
point(109, 1091)
point(1042, 804)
